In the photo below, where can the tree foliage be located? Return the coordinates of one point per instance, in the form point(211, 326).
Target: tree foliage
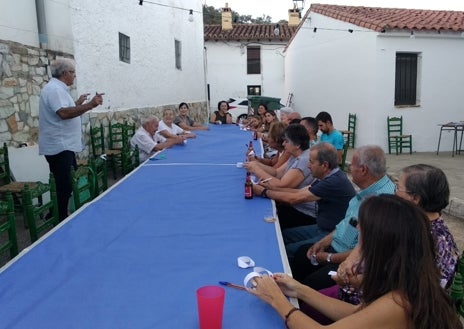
point(212, 15)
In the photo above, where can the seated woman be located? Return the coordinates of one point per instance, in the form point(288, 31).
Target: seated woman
point(276, 139)
point(269, 118)
point(185, 122)
point(168, 129)
point(221, 116)
point(292, 174)
point(400, 283)
point(427, 187)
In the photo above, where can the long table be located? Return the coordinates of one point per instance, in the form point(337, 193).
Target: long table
point(134, 257)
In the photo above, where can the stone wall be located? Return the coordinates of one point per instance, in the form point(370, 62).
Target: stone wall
point(24, 70)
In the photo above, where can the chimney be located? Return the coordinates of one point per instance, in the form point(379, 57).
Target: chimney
point(226, 18)
point(293, 17)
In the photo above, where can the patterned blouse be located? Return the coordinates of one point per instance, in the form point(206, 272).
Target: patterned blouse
point(447, 259)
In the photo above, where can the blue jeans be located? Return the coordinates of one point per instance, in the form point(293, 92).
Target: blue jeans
point(296, 237)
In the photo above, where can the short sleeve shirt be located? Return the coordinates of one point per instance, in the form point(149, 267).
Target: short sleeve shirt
point(346, 235)
point(145, 143)
point(174, 129)
point(335, 192)
point(335, 138)
point(55, 134)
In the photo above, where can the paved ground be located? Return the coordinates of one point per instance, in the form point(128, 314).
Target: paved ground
point(452, 166)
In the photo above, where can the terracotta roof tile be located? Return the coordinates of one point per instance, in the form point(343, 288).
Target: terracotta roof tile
point(378, 19)
point(249, 32)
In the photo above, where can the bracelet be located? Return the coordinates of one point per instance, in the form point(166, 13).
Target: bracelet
point(294, 309)
point(264, 193)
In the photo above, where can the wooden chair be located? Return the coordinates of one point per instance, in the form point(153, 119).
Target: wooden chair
point(7, 225)
point(97, 142)
point(350, 133)
point(130, 159)
point(83, 186)
point(116, 143)
point(100, 170)
point(345, 152)
point(40, 215)
point(396, 139)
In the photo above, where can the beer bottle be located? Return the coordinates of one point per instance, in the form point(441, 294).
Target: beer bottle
point(248, 187)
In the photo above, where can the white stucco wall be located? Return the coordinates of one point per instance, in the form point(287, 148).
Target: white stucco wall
point(18, 22)
point(151, 78)
point(227, 70)
point(342, 73)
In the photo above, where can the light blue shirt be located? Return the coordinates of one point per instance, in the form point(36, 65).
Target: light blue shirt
point(335, 138)
point(346, 235)
point(55, 134)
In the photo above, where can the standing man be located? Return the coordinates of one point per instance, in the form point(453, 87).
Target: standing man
point(60, 127)
point(330, 134)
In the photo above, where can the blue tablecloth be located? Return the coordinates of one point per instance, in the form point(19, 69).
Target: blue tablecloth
point(134, 257)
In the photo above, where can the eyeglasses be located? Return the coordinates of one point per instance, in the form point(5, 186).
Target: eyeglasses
point(398, 189)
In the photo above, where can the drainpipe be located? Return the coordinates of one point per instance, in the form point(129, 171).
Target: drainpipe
point(41, 23)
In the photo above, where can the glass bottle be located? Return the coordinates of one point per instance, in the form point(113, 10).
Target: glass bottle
point(248, 187)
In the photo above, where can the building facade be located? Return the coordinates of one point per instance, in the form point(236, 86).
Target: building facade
point(347, 60)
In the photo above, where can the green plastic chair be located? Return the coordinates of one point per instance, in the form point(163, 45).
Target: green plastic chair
point(40, 215)
point(7, 226)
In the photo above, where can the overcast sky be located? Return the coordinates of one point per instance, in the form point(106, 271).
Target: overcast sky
point(278, 9)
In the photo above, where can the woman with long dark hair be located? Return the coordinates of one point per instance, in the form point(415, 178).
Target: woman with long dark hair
point(401, 281)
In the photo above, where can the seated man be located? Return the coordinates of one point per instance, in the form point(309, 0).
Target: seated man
point(332, 193)
point(147, 141)
point(330, 134)
point(368, 169)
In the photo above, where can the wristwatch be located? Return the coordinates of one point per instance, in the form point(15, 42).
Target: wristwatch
point(329, 257)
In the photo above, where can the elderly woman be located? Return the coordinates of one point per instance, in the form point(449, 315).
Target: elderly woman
point(168, 129)
point(185, 122)
point(276, 140)
point(427, 187)
point(292, 174)
point(221, 116)
point(405, 294)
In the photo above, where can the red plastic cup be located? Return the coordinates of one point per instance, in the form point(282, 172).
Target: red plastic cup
point(210, 301)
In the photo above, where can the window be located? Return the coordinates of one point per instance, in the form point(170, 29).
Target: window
point(254, 90)
point(124, 48)
point(253, 60)
point(406, 77)
point(178, 50)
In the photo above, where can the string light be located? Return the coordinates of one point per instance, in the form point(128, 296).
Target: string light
point(169, 6)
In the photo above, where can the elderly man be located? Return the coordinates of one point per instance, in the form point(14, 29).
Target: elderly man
point(332, 192)
point(60, 127)
point(148, 141)
point(368, 169)
point(287, 115)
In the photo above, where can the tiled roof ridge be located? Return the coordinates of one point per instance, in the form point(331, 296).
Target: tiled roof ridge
point(378, 19)
point(249, 32)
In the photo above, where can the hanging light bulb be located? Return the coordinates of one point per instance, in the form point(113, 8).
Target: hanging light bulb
point(412, 36)
point(190, 19)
